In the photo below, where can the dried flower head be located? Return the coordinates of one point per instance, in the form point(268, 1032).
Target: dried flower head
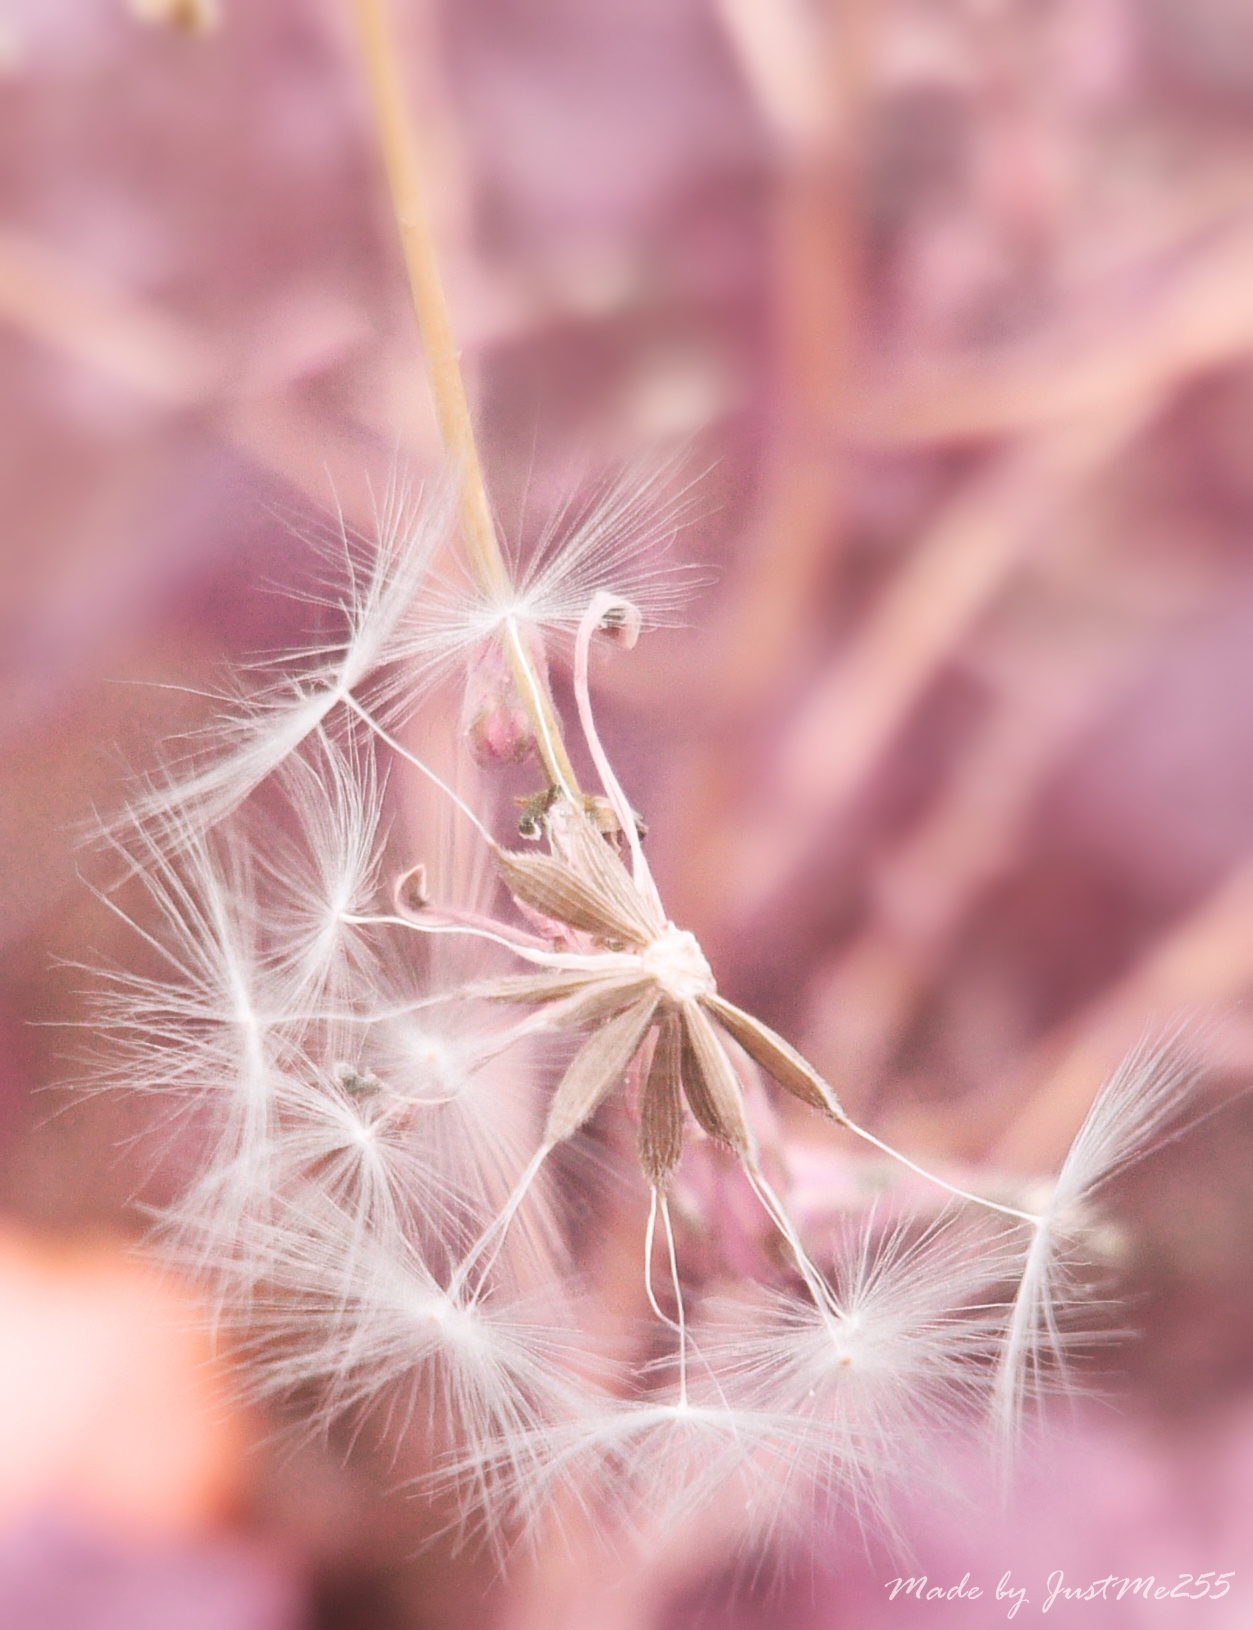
point(381, 1113)
point(376, 1112)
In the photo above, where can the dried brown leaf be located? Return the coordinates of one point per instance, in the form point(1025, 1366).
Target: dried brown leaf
point(590, 997)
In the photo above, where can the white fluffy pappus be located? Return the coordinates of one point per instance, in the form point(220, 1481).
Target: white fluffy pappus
point(1141, 1106)
point(410, 614)
point(295, 1043)
point(375, 1210)
point(322, 869)
point(613, 541)
point(624, 1469)
point(204, 1029)
point(864, 1385)
point(350, 1323)
point(786, 1405)
point(371, 588)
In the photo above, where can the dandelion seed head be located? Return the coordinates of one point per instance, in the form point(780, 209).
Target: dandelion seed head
point(375, 1209)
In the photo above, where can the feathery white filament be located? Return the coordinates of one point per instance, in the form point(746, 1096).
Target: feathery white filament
point(1133, 1113)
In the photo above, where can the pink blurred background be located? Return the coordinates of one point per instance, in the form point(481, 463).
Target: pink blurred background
point(952, 303)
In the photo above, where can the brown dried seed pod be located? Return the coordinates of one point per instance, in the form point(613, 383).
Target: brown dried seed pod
point(552, 888)
point(597, 1068)
point(712, 1087)
point(779, 1060)
point(661, 1108)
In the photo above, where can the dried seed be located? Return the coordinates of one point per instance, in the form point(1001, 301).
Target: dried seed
point(597, 1068)
point(661, 1110)
point(582, 847)
point(780, 1061)
point(552, 888)
point(712, 1086)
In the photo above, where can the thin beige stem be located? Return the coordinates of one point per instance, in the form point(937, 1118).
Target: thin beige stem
point(402, 162)
point(398, 141)
point(539, 705)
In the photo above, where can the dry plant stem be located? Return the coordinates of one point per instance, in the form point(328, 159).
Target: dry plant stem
point(1197, 321)
point(952, 578)
point(398, 141)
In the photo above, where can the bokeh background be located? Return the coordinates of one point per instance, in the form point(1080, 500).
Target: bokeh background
point(948, 304)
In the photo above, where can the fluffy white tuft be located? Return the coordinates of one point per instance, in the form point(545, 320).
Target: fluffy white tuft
point(1138, 1107)
point(864, 1387)
point(371, 592)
